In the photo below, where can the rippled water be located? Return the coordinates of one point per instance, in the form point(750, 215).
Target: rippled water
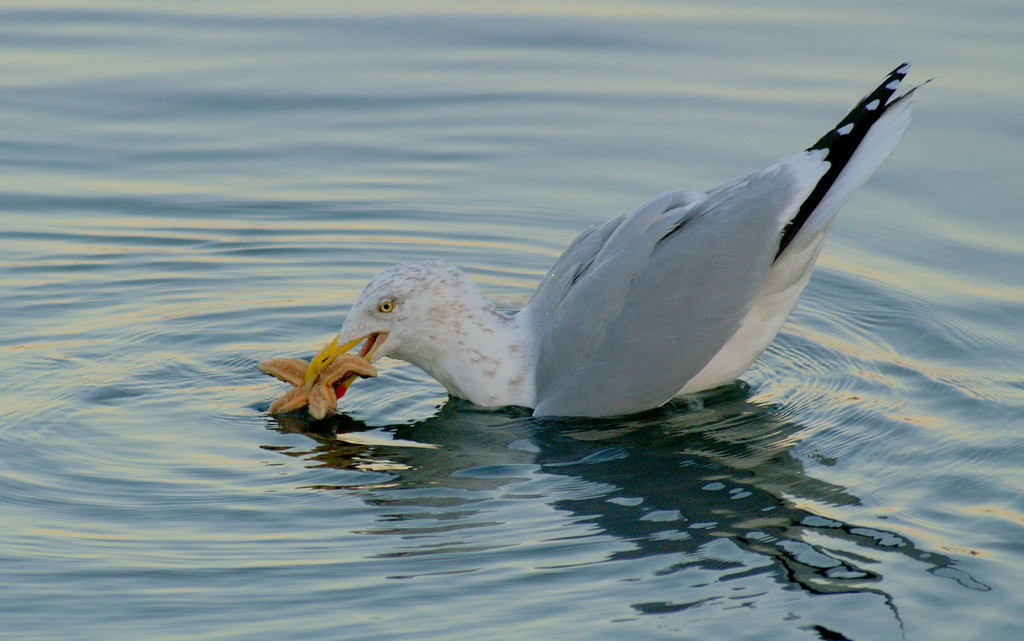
point(188, 188)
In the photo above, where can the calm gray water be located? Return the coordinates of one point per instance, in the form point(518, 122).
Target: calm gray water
point(188, 188)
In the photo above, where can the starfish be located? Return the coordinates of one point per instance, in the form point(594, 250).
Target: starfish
point(323, 392)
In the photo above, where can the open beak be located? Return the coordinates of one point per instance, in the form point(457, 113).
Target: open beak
point(332, 350)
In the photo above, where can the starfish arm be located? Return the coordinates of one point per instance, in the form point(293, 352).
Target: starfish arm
point(289, 370)
point(290, 401)
point(344, 364)
point(322, 401)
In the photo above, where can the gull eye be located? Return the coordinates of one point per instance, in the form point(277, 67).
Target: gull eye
point(386, 306)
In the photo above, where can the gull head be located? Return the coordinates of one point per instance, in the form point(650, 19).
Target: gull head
point(429, 314)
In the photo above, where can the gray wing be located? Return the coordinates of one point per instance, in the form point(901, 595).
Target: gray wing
point(635, 308)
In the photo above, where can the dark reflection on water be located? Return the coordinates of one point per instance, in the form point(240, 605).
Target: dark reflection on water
point(710, 485)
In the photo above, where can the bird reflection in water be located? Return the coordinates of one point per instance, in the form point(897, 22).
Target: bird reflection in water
point(712, 486)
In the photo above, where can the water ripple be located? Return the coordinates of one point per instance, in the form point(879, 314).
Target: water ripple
point(189, 189)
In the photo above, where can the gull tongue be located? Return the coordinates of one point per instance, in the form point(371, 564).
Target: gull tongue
point(342, 386)
point(350, 376)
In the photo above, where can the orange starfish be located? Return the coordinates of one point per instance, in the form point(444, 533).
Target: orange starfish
point(323, 392)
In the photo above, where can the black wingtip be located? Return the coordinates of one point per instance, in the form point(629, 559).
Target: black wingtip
point(842, 141)
point(866, 112)
point(909, 92)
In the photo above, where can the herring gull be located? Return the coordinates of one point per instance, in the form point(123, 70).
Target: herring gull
point(680, 296)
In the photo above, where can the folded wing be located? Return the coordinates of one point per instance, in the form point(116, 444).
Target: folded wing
point(639, 307)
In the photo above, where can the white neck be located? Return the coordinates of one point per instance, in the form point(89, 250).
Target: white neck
point(492, 364)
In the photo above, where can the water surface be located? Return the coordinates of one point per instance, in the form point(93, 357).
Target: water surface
point(188, 189)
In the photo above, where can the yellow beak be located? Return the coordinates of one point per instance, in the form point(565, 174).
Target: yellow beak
point(326, 357)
